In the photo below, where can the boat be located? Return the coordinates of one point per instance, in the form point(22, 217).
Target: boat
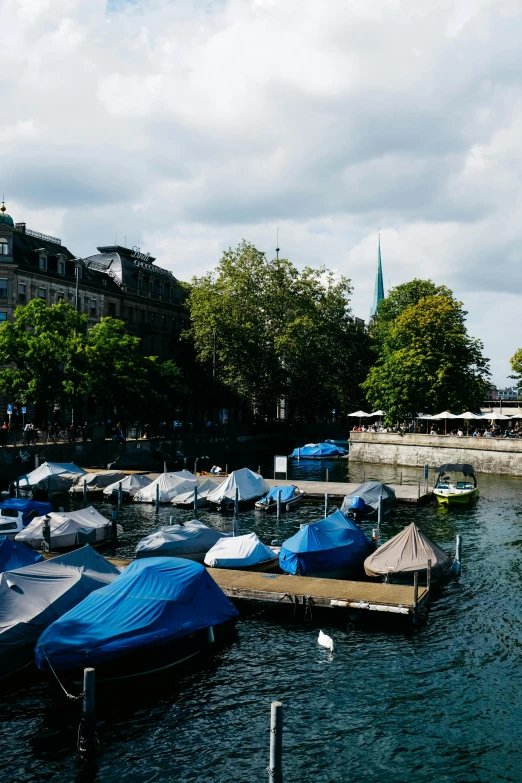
point(319, 451)
point(130, 485)
point(33, 597)
point(245, 553)
point(291, 497)
point(363, 502)
point(250, 486)
point(13, 555)
point(69, 529)
point(450, 491)
point(186, 499)
point(166, 487)
point(17, 513)
point(409, 551)
point(334, 547)
point(51, 477)
point(186, 539)
point(96, 482)
point(160, 612)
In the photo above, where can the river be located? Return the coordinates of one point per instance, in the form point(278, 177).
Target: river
point(392, 704)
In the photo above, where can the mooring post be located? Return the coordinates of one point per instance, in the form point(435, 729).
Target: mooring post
point(379, 513)
point(164, 466)
point(400, 482)
point(17, 487)
point(458, 549)
point(428, 579)
point(114, 527)
point(326, 504)
point(61, 509)
point(375, 538)
point(259, 469)
point(85, 490)
point(418, 490)
point(46, 533)
point(275, 770)
point(50, 487)
point(327, 474)
point(278, 503)
point(171, 520)
point(196, 499)
point(157, 496)
point(36, 461)
point(234, 527)
point(226, 469)
point(298, 454)
point(87, 735)
point(120, 493)
point(236, 503)
point(415, 594)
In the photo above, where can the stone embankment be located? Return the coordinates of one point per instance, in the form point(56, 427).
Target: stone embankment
point(487, 455)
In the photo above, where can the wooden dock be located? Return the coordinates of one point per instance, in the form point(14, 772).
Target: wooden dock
point(325, 593)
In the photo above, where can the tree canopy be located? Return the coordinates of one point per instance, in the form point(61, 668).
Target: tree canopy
point(276, 333)
point(426, 359)
point(516, 366)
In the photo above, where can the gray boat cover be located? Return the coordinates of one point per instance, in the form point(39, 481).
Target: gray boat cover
point(186, 540)
point(96, 480)
point(33, 597)
point(130, 485)
point(370, 491)
point(170, 485)
point(251, 486)
point(68, 529)
point(407, 552)
point(204, 490)
point(239, 552)
point(63, 474)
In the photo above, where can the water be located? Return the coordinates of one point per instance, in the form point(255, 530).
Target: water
point(443, 702)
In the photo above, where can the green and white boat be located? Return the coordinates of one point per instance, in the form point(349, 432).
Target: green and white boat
point(450, 491)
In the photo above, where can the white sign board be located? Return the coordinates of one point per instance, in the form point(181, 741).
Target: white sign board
point(281, 465)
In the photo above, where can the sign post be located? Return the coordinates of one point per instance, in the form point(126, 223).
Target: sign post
point(281, 466)
point(9, 413)
point(24, 411)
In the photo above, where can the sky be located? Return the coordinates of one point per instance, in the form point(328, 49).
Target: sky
point(183, 127)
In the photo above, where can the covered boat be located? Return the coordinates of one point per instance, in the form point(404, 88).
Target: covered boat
point(130, 485)
point(96, 482)
point(33, 597)
point(451, 491)
point(186, 499)
point(244, 552)
point(16, 513)
point(169, 485)
point(364, 501)
point(319, 451)
point(158, 613)
point(291, 497)
point(333, 547)
point(54, 476)
point(69, 529)
point(13, 555)
point(251, 486)
point(187, 539)
point(407, 552)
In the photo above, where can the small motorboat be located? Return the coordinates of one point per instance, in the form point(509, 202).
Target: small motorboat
point(324, 450)
point(69, 530)
point(250, 487)
point(95, 482)
point(130, 486)
point(186, 499)
point(291, 497)
point(451, 491)
point(13, 555)
point(33, 597)
point(363, 502)
point(166, 487)
point(160, 612)
point(334, 547)
point(409, 551)
point(186, 539)
point(17, 513)
point(245, 553)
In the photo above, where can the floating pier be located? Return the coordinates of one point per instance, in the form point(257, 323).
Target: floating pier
point(309, 591)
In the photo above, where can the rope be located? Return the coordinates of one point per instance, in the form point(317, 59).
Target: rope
point(308, 603)
point(69, 695)
point(267, 608)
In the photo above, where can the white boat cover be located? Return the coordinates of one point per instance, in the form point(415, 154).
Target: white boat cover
point(63, 473)
point(184, 540)
point(407, 552)
point(187, 498)
point(170, 485)
point(68, 529)
point(130, 485)
point(33, 597)
point(96, 480)
point(239, 552)
point(251, 486)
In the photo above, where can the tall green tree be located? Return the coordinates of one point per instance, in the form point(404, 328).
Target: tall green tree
point(427, 361)
point(516, 366)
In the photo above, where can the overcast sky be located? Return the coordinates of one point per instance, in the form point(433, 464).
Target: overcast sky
point(187, 126)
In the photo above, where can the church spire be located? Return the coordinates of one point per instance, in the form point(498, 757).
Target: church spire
point(378, 294)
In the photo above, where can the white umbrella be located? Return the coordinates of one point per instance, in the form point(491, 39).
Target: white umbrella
point(377, 413)
point(360, 414)
point(445, 415)
point(496, 416)
point(469, 415)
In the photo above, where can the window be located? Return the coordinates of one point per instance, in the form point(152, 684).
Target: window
point(93, 306)
point(43, 263)
point(3, 286)
point(60, 296)
point(22, 288)
point(112, 309)
point(61, 267)
point(41, 292)
point(3, 317)
point(4, 246)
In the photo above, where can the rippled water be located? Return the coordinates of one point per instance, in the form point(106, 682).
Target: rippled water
point(443, 702)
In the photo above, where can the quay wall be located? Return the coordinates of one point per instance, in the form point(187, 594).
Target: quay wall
point(487, 455)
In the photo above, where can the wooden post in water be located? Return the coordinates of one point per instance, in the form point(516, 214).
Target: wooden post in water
point(87, 734)
point(234, 527)
point(275, 769)
point(114, 527)
point(226, 468)
point(428, 579)
point(418, 491)
point(171, 520)
point(236, 503)
point(157, 496)
point(326, 504)
point(458, 549)
point(85, 490)
point(415, 594)
point(120, 493)
point(18, 487)
point(36, 461)
point(379, 514)
point(298, 454)
point(196, 499)
point(46, 533)
point(327, 474)
point(278, 504)
point(164, 466)
point(400, 482)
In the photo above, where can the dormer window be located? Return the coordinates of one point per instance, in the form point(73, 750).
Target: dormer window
point(4, 246)
point(61, 265)
point(42, 262)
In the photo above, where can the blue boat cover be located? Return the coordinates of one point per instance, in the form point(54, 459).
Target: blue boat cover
point(319, 450)
point(155, 600)
point(14, 555)
point(328, 545)
point(26, 506)
point(287, 494)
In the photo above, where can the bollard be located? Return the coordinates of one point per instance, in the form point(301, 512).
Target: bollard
point(275, 769)
point(234, 527)
point(326, 504)
point(164, 466)
point(17, 487)
point(375, 538)
point(379, 513)
point(120, 493)
point(278, 503)
point(46, 534)
point(171, 520)
point(87, 740)
point(195, 499)
point(458, 549)
point(327, 474)
point(157, 496)
point(85, 490)
point(428, 577)
point(415, 594)
point(114, 527)
point(226, 469)
point(236, 503)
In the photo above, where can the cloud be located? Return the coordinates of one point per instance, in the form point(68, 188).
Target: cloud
point(187, 126)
